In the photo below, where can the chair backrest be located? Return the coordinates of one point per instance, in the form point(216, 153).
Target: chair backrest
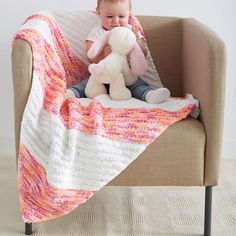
point(164, 38)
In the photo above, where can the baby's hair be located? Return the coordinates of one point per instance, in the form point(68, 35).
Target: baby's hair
point(113, 1)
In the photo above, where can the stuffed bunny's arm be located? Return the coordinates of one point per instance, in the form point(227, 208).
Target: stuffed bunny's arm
point(98, 45)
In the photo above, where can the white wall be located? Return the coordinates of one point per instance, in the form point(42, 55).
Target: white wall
point(217, 14)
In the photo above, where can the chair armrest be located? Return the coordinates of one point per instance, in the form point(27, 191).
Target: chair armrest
point(204, 77)
point(22, 78)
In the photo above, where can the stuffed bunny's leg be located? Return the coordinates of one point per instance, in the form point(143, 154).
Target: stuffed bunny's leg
point(118, 91)
point(94, 87)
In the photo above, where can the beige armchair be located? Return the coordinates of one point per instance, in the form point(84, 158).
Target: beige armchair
point(190, 58)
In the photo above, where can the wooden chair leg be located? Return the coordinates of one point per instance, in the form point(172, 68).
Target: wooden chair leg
point(208, 206)
point(28, 228)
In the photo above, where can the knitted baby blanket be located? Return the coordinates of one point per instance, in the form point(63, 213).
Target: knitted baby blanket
point(71, 149)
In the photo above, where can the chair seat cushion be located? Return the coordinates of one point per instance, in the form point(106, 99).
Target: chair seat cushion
point(175, 158)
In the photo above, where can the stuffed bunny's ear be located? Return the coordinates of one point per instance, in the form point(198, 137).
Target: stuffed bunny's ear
point(138, 62)
point(98, 45)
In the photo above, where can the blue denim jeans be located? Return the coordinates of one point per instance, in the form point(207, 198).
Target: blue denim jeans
point(138, 90)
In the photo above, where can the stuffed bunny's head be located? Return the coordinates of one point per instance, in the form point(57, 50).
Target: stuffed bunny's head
point(122, 40)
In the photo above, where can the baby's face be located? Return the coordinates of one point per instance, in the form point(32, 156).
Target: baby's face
point(114, 14)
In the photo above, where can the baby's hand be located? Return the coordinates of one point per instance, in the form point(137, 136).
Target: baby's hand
point(106, 50)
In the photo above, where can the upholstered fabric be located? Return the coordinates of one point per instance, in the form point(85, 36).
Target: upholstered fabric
point(21, 74)
point(175, 158)
point(164, 37)
point(204, 76)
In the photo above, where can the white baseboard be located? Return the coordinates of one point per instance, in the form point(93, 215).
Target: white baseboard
point(7, 146)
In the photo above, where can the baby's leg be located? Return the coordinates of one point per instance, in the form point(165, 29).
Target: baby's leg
point(141, 90)
point(158, 95)
point(77, 90)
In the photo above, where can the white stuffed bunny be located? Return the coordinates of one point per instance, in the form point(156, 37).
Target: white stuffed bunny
point(114, 69)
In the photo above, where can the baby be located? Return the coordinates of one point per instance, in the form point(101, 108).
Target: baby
point(115, 13)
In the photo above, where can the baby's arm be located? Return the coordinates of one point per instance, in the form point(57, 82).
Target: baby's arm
point(105, 51)
point(141, 42)
point(143, 46)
